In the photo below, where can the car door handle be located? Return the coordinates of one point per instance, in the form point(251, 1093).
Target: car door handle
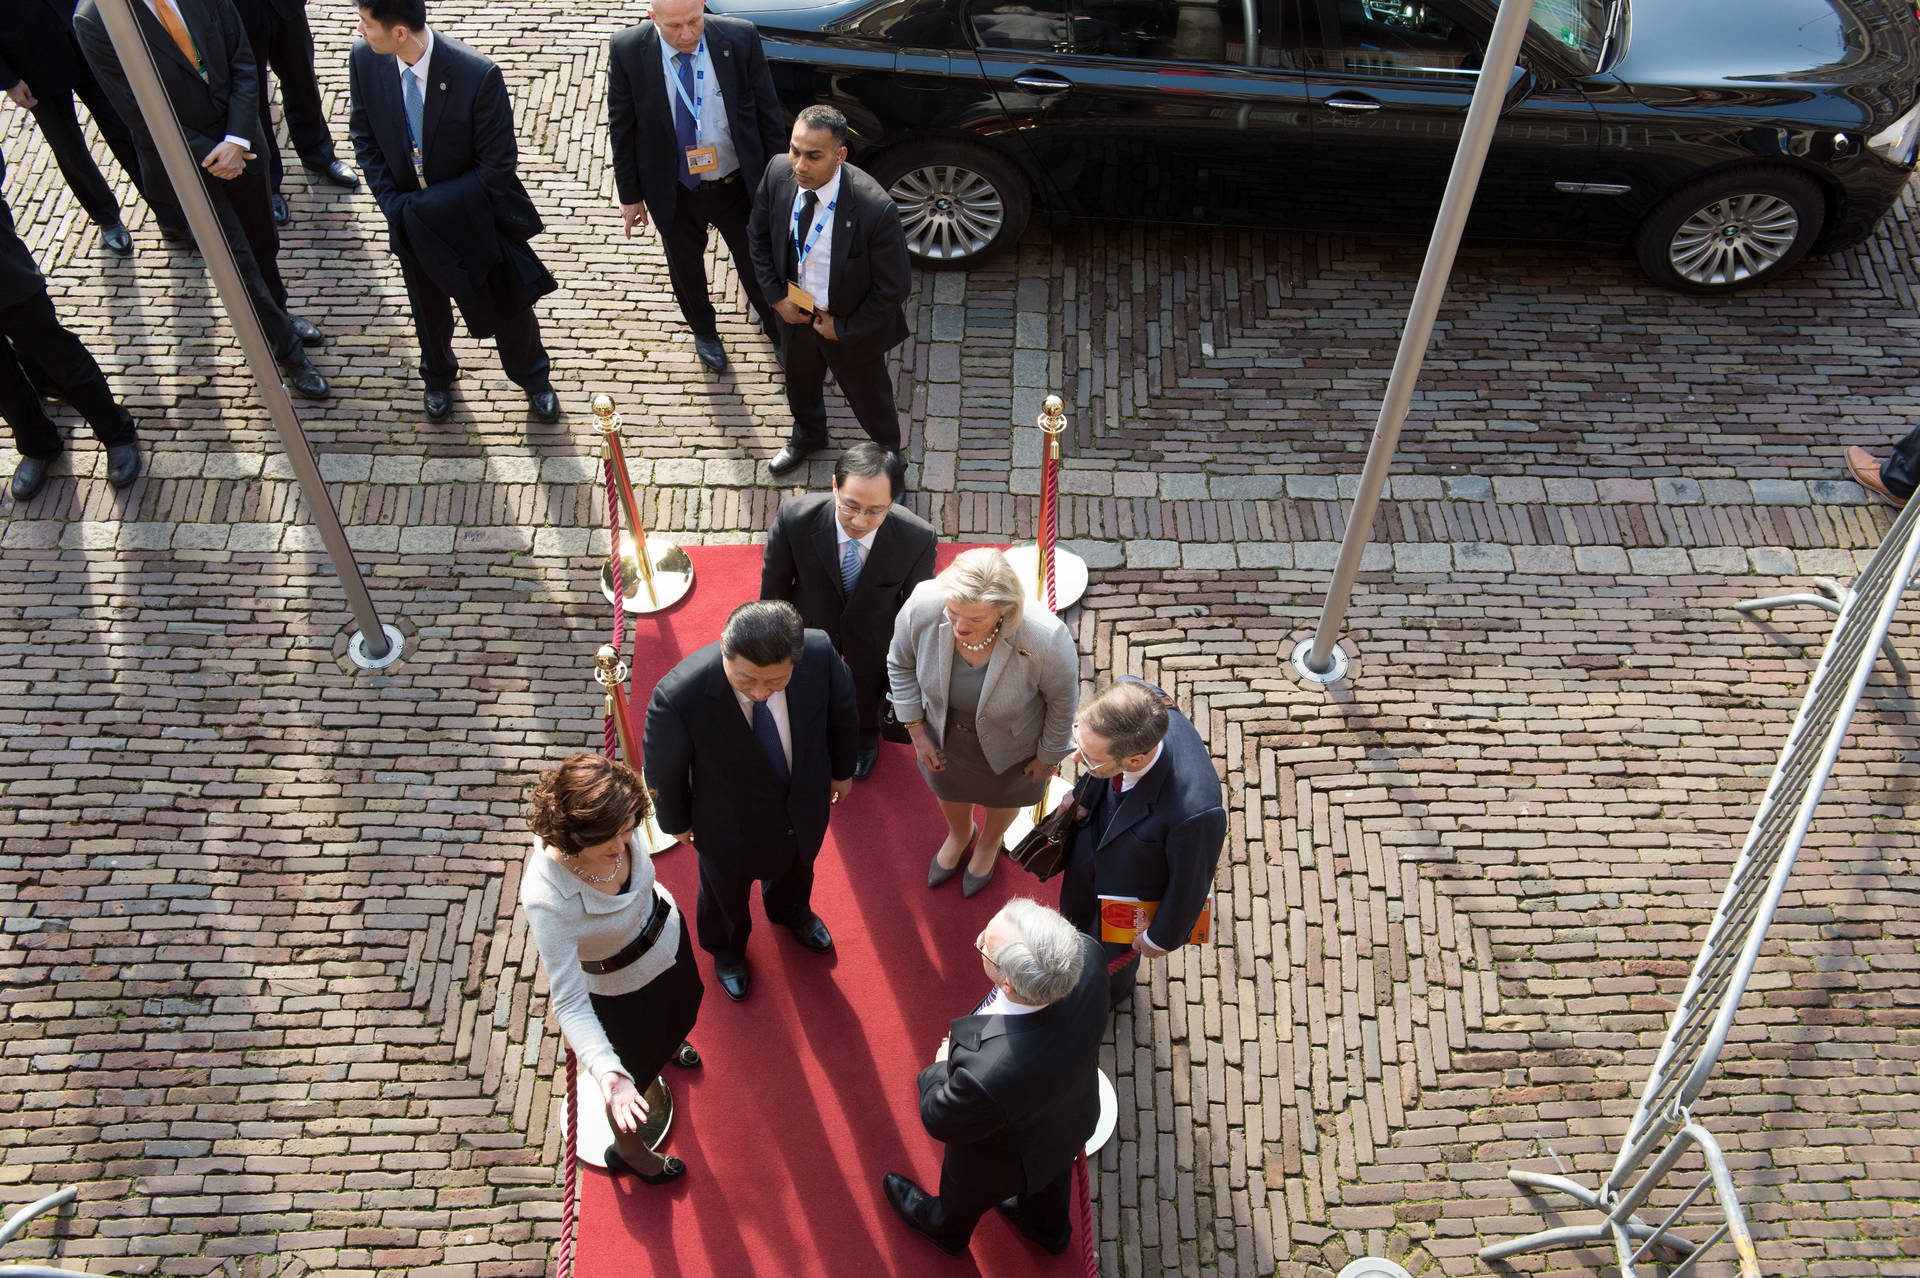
point(1041, 84)
point(1350, 104)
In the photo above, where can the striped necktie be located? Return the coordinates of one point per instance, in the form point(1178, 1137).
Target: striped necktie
point(850, 568)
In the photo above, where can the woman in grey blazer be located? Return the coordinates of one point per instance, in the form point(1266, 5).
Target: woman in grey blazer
point(987, 689)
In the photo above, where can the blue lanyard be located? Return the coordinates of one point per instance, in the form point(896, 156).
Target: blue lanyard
point(699, 83)
point(819, 225)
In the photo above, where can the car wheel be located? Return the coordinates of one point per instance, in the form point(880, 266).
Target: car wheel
point(1732, 231)
point(958, 204)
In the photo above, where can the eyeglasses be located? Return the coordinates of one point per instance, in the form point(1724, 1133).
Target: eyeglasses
point(979, 943)
point(852, 511)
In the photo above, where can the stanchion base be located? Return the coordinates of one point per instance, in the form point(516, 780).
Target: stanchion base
point(594, 1135)
point(672, 579)
point(1069, 575)
point(1335, 671)
point(358, 654)
point(1109, 1116)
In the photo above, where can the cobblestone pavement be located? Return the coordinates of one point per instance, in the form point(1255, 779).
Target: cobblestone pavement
point(267, 999)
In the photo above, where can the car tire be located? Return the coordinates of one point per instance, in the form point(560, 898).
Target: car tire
point(958, 204)
point(1732, 231)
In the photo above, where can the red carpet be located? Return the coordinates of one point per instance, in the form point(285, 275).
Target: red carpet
point(807, 1096)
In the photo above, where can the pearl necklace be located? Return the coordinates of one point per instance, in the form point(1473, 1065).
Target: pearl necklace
point(984, 644)
point(608, 878)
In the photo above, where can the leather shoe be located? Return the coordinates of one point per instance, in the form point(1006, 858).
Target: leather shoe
point(546, 405)
point(123, 463)
point(179, 239)
point(813, 934)
point(938, 873)
point(671, 1168)
point(913, 1205)
point(685, 1056)
point(1055, 1243)
point(1866, 469)
point(302, 378)
point(864, 761)
point(711, 353)
point(733, 979)
point(439, 405)
point(29, 477)
point(335, 172)
point(117, 240)
point(281, 215)
point(971, 883)
point(308, 332)
point(789, 457)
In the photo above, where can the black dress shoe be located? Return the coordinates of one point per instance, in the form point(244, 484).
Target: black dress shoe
point(281, 217)
point(711, 352)
point(864, 761)
point(117, 240)
point(335, 172)
point(671, 1168)
point(789, 457)
point(123, 463)
point(1055, 1243)
point(30, 476)
point(813, 934)
point(302, 378)
point(733, 979)
point(439, 405)
point(913, 1205)
point(546, 405)
point(308, 332)
point(179, 239)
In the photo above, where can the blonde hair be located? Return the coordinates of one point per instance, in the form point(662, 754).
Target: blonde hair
point(983, 575)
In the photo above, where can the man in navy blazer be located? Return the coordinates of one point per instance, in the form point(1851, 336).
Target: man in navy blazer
point(688, 152)
point(831, 258)
point(748, 745)
point(463, 162)
point(1154, 824)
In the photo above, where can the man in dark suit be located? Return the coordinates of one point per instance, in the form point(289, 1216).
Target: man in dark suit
point(433, 129)
point(687, 143)
point(1014, 1088)
point(1154, 823)
point(831, 258)
point(206, 68)
point(848, 560)
point(42, 70)
point(30, 331)
point(282, 40)
point(748, 745)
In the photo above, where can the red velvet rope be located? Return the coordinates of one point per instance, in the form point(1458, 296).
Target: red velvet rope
point(1082, 1179)
point(1049, 522)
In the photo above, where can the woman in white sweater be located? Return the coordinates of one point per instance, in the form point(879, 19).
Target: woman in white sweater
point(619, 962)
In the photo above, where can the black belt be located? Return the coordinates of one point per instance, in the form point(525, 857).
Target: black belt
point(731, 177)
point(631, 952)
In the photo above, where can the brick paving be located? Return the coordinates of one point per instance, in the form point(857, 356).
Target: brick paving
point(267, 998)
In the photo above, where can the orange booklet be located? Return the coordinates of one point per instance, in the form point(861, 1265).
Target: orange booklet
point(1124, 917)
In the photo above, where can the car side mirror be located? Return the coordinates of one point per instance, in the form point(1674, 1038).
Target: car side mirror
point(1519, 85)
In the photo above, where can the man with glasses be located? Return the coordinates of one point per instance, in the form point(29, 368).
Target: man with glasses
point(848, 560)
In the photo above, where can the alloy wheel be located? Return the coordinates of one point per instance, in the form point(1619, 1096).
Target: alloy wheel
point(949, 212)
point(1734, 238)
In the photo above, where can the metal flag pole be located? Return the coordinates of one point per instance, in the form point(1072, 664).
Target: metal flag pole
point(1318, 659)
point(376, 645)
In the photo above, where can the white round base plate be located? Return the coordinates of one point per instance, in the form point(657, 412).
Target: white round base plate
point(672, 579)
point(1109, 1116)
point(1057, 789)
point(1069, 575)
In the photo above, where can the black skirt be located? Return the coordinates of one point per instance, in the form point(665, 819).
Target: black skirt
point(647, 1026)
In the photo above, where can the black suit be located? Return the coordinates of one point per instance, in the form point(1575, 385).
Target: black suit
point(28, 323)
point(1160, 841)
point(1015, 1101)
point(224, 102)
point(282, 40)
point(708, 775)
point(37, 46)
point(649, 164)
point(468, 121)
point(1901, 471)
point(802, 566)
point(867, 280)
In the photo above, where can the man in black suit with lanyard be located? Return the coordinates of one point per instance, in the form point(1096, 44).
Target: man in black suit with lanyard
point(748, 745)
point(206, 67)
point(432, 128)
point(847, 560)
point(282, 41)
point(1154, 823)
point(691, 107)
point(831, 258)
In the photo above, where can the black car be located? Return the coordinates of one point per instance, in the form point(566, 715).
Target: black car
point(1721, 139)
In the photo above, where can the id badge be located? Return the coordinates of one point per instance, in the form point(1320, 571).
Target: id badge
point(800, 297)
point(702, 159)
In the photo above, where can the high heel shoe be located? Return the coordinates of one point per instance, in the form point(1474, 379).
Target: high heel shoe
point(671, 1168)
point(938, 873)
point(685, 1056)
point(971, 883)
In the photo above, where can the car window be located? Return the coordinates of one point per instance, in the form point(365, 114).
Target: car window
point(1028, 24)
point(926, 23)
point(1162, 30)
point(1404, 39)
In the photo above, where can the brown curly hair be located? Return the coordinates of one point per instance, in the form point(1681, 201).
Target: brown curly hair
point(584, 801)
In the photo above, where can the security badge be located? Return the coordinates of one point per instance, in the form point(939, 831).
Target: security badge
point(702, 159)
point(800, 298)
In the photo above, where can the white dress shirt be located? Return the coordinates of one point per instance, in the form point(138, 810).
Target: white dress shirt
point(154, 8)
point(998, 1004)
point(777, 703)
point(815, 271)
point(841, 538)
point(1128, 780)
point(711, 128)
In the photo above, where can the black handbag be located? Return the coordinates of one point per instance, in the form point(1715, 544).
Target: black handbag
point(1043, 853)
point(891, 729)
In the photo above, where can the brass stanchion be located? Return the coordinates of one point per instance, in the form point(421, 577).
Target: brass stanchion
point(1055, 578)
point(654, 572)
point(611, 675)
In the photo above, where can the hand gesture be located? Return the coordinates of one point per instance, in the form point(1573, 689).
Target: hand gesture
point(23, 96)
point(226, 161)
point(787, 311)
point(931, 756)
point(1036, 770)
point(625, 1105)
point(823, 325)
point(634, 215)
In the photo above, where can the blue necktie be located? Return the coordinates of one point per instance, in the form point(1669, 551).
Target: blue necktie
point(683, 118)
point(416, 116)
point(767, 733)
point(850, 568)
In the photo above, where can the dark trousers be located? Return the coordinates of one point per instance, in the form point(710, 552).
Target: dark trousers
point(60, 126)
point(1901, 473)
point(864, 380)
point(961, 1204)
point(285, 45)
point(60, 358)
point(517, 334)
point(724, 206)
point(246, 219)
point(721, 911)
